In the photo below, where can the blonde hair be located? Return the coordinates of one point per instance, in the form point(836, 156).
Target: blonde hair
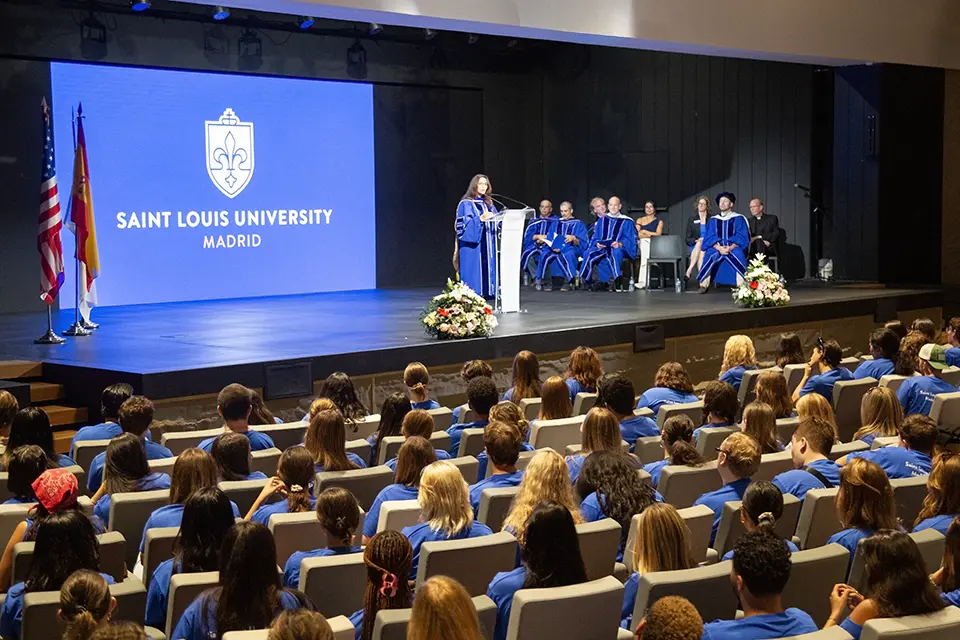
point(943, 488)
point(663, 541)
point(865, 498)
point(510, 413)
point(321, 404)
point(300, 624)
point(814, 405)
point(738, 351)
point(442, 609)
point(546, 478)
point(444, 498)
point(760, 423)
point(600, 432)
point(880, 413)
point(742, 453)
point(555, 400)
point(416, 378)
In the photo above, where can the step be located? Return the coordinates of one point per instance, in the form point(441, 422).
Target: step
point(46, 392)
point(60, 415)
point(62, 440)
point(12, 369)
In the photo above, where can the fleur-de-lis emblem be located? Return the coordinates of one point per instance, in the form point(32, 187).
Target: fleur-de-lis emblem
point(230, 158)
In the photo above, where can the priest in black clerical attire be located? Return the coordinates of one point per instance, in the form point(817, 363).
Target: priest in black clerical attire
point(764, 230)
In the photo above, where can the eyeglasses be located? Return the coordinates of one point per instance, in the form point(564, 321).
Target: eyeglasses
point(719, 450)
point(820, 342)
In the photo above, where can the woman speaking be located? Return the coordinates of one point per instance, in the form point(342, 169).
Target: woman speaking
point(475, 251)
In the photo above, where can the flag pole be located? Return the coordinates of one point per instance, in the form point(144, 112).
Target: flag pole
point(50, 337)
point(76, 329)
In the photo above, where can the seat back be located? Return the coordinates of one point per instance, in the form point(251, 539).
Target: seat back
point(265, 461)
point(391, 624)
point(950, 375)
point(731, 528)
point(335, 584)
point(11, 515)
point(699, 521)
point(286, 435)
point(786, 427)
point(748, 386)
point(466, 414)
point(599, 542)
point(111, 557)
point(184, 589)
point(157, 547)
point(892, 381)
point(908, 493)
point(706, 587)
point(363, 428)
point(830, 633)
point(364, 484)
point(930, 542)
point(583, 403)
point(243, 492)
point(85, 451)
point(530, 408)
point(946, 410)
point(850, 363)
point(773, 464)
point(469, 468)
point(667, 247)
point(162, 465)
point(932, 626)
point(340, 625)
point(692, 409)
point(585, 611)
point(296, 532)
point(180, 441)
point(41, 621)
point(845, 448)
point(710, 438)
point(495, 505)
point(556, 434)
point(812, 576)
point(359, 447)
point(5, 493)
point(397, 514)
point(793, 373)
point(442, 418)
point(847, 395)
point(648, 449)
point(129, 513)
point(885, 441)
point(471, 561)
point(471, 442)
point(681, 485)
point(818, 518)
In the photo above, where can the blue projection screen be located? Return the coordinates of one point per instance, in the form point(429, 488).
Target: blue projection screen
point(211, 186)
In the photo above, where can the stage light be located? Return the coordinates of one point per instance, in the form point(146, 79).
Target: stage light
point(249, 50)
point(139, 5)
point(220, 12)
point(429, 34)
point(305, 22)
point(375, 29)
point(357, 61)
point(473, 38)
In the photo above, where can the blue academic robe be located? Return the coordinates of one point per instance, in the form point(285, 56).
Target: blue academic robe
point(606, 231)
point(724, 230)
point(531, 250)
point(478, 247)
point(564, 258)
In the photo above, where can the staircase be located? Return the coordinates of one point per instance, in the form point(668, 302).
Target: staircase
point(49, 396)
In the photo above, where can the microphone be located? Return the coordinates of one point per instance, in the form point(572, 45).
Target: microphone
point(801, 187)
point(522, 204)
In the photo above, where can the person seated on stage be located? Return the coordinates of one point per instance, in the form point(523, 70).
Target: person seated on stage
point(539, 231)
point(760, 510)
point(811, 443)
point(613, 239)
point(865, 504)
point(501, 443)
point(738, 460)
point(416, 378)
point(481, 397)
point(926, 327)
point(761, 570)
point(738, 356)
point(472, 369)
point(884, 345)
point(916, 394)
point(720, 407)
point(339, 387)
point(764, 230)
point(789, 350)
point(671, 385)
point(648, 226)
point(31, 425)
point(526, 378)
point(234, 406)
point(326, 440)
point(231, 452)
point(417, 423)
point(823, 371)
point(677, 440)
point(942, 503)
point(136, 416)
point(880, 414)
point(913, 453)
point(127, 471)
point(725, 242)
point(8, 409)
point(696, 230)
point(507, 413)
point(583, 371)
point(259, 413)
point(110, 401)
point(615, 392)
point(338, 513)
point(563, 253)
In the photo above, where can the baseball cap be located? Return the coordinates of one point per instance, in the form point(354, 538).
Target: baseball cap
point(935, 355)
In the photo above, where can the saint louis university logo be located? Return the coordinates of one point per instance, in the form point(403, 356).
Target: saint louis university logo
point(229, 153)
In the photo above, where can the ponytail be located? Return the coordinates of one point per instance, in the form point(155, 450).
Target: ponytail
point(763, 504)
point(339, 514)
point(85, 603)
point(766, 522)
point(297, 471)
point(682, 453)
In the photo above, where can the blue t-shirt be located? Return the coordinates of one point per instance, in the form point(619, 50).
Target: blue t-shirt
point(291, 570)
point(575, 387)
point(876, 368)
point(456, 432)
point(352, 457)
point(426, 405)
point(150, 482)
point(258, 441)
point(797, 481)
point(823, 383)
point(158, 593)
point(262, 515)
point(952, 597)
point(712, 425)
point(916, 394)
point(420, 533)
point(389, 492)
point(952, 356)
point(656, 397)
point(496, 481)
point(95, 479)
point(654, 469)
point(939, 523)
point(171, 515)
point(734, 375)
point(792, 622)
point(729, 554)
point(848, 538)
point(629, 599)
point(392, 462)
point(11, 615)
point(199, 621)
point(897, 462)
point(501, 590)
point(482, 458)
point(852, 628)
point(574, 465)
point(256, 475)
point(64, 461)
point(638, 427)
point(716, 499)
point(102, 431)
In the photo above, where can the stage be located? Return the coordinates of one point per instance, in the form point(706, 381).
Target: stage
point(183, 349)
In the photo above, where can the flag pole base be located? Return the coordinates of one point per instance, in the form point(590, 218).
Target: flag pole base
point(49, 338)
point(77, 330)
point(90, 326)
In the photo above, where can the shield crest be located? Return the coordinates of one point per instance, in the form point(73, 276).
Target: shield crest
point(229, 153)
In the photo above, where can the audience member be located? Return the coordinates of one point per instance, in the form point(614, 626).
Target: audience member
point(583, 371)
point(443, 610)
point(31, 425)
point(555, 400)
point(812, 442)
point(231, 452)
point(24, 465)
point(415, 454)
point(545, 479)
point(122, 630)
point(738, 356)
point(110, 401)
point(501, 443)
point(418, 423)
point(947, 577)
point(897, 327)
point(294, 479)
point(85, 604)
point(771, 389)
point(388, 558)
point(895, 585)
point(951, 332)
point(416, 378)
point(884, 345)
point(207, 517)
point(760, 510)
point(671, 618)
point(814, 405)
point(615, 392)
point(789, 350)
point(908, 356)
point(300, 624)
point(720, 407)
point(880, 414)
point(760, 423)
point(8, 409)
point(761, 569)
point(259, 413)
point(126, 470)
point(739, 459)
point(136, 416)
point(326, 441)
point(864, 504)
point(942, 502)
point(551, 558)
point(916, 393)
point(526, 378)
point(394, 409)
point(600, 431)
point(249, 594)
point(339, 388)
point(234, 406)
point(926, 328)
point(481, 397)
point(913, 454)
point(339, 515)
point(472, 369)
point(678, 449)
point(671, 385)
point(823, 371)
point(507, 413)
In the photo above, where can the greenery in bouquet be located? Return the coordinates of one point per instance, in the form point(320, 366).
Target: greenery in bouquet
point(458, 312)
point(761, 287)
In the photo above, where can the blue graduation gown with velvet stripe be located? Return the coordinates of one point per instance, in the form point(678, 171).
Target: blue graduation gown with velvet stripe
point(606, 231)
point(531, 250)
point(725, 231)
point(478, 247)
point(564, 258)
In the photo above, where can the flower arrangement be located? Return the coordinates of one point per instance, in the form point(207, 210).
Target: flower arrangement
point(761, 287)
point(458, 312)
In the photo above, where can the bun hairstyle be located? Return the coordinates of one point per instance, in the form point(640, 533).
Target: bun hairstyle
point(416, 378)
point(297, 472)
point(677, 436)
point(511, 414)
point(763, 504)
point(84, 604)
point(339, 514)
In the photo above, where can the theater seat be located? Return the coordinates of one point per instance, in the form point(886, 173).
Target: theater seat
point(180, 441)
point(335, 584)
point(730, 528)
point(397, 514)
point(885, 441)
point(530, 408)
point(495, 505)
point(469, 468)
point(41, 622)
point(951, 375)
point(599, 542)
point(85, 451)
point(442, 418)
point(908, 494)
point(522, 461)
point(846, 448)
point(930, 542)
point(648, 449)
point(588, 610)
point(157, 547)
point(471, 442)
point(850, 363)
point(466, 414)
point(243, 492)
point(748, 385)
point(812, 576)
point(265, 461)
point(847, 396)
point(473, 562)
point(129, 513)
point(163, 465)
point(359, 447)
point(286, 435)
point(363, 428)
point(710, 438)
point(946, 411)
point(556, 434)
point(692, 409)
point(184, 589)
point(392, 624)
point(793, 374)
point(364, 484)
point(340, 625)
point(818, 518)
point(583, 403)
point(681, 485)
point(892, 381)
point(786, 428)
point(932, 626)
point(830, 633)
point(706, 587)
point(301, 532)
point(390, 447)
point(772, 465)
point(111, 557)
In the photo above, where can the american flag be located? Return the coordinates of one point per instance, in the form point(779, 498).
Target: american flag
point(49, 222)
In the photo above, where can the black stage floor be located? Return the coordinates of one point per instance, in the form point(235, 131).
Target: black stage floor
point(179, 349)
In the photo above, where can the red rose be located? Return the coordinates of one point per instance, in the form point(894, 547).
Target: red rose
point(443, 312)
point(754, 285)
point(487, 310)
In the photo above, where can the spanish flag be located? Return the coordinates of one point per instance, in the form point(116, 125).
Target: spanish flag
point(82, 223)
